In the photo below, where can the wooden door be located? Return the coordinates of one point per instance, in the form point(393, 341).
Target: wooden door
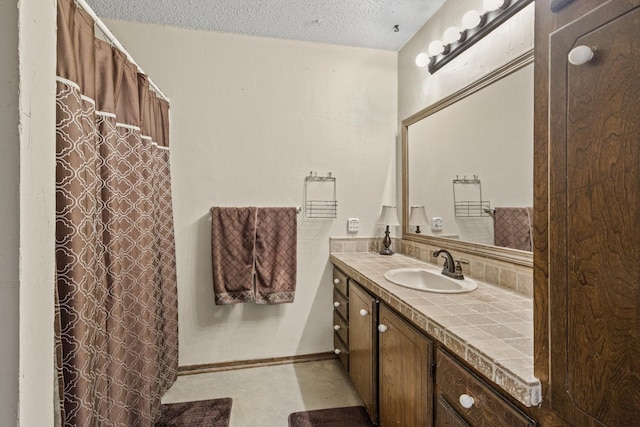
point(594, 223)
point(406, 386)
point(363, 347)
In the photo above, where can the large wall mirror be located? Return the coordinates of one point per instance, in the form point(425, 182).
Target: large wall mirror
point(468, 160)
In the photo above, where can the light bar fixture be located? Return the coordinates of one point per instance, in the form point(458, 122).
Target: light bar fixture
point(475, 25)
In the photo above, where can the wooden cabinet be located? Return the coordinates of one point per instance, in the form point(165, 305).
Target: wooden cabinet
point(341, 316)
point(482, 407)
point(588, 299)
point(341, 282)
point(391, 364)
point(405, 383)
point(363, 347)
point(341, 305)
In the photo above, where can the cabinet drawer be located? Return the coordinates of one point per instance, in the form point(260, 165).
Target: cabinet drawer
point(341, 327)
point(340, 282)
point(341, 304)
point(446, 416)
point(341, 350)
point(488, 409)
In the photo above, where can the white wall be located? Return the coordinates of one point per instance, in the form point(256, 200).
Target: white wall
point(37, 209)
point(9, 232)
point(250, 118)
point(27, 188)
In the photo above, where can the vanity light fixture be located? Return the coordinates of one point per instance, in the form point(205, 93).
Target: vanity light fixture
point(418, 217)
point(491, 5)
point(475, 26)
point(388, 217)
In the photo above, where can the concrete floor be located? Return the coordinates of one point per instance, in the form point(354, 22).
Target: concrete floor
point(265, 396)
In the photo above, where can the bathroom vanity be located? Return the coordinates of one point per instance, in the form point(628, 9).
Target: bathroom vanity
point(454, 368)
point(416, 358)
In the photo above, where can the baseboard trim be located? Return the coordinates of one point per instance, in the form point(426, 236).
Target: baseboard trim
point(256, 363)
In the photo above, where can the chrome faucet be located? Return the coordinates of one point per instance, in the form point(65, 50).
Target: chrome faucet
point(450, 268)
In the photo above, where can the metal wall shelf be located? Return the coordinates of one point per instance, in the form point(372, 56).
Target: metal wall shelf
point(476, 207)
point(320, 196)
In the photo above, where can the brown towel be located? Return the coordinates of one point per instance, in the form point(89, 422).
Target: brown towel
point(248, 243)
point(512, 228)
point(232, 244)
point(276, 255)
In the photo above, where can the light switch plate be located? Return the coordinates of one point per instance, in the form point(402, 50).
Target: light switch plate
point(353, 225)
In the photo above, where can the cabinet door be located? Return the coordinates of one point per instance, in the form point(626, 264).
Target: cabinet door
point(406, 389)
point(594, 227)
point(363, 346)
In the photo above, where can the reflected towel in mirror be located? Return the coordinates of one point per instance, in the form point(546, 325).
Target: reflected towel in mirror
point(513, 228)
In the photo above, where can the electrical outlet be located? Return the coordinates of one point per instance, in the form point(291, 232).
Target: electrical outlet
point(437, 223)
point(353, 225)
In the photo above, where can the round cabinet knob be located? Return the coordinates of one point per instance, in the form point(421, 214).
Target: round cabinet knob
point(336, 304)
point(336, 281)
point(336, 327)
point(466, 401)
point(363, 312)
point(580, 55)
point(337, 351)
point(382, 328)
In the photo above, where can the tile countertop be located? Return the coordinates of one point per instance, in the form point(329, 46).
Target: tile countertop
point(490, 328)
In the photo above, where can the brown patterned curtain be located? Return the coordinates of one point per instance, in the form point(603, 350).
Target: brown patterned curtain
point(116, 299)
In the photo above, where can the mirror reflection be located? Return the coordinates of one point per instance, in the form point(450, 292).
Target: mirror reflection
point(470, 165)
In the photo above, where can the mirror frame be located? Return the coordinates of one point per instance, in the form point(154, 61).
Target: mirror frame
point(513, 256)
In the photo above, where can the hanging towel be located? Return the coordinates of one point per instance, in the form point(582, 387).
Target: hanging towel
point(233, 233)
point(513, 228)
point(276, 255)
point(254, 255)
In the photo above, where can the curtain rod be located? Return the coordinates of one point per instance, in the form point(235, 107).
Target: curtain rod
point(108, 34)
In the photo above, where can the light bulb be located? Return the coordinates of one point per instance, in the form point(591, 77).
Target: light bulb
point(435, 48)
point(422, 60)
point(451, 35)
point(471, 19)
point(491, 5)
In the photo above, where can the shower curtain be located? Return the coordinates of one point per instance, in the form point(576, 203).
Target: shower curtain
point(116, 299)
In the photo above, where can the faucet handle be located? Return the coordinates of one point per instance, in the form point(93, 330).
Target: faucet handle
point(458, 268)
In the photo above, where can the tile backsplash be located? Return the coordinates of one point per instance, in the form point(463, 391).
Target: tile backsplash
point(517, 278)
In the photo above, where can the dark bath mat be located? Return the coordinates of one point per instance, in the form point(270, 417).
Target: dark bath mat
point(353, 416)
point(205, 413)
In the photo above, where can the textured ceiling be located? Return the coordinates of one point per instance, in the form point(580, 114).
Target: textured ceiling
point(363, 23)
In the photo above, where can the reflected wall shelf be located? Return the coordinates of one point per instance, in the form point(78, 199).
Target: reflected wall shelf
point(472, 205)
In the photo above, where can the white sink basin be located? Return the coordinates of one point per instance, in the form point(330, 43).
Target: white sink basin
point(423, 279)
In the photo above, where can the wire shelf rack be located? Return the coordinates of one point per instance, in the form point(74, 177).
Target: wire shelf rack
point(320, 196)
point(470, 187)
